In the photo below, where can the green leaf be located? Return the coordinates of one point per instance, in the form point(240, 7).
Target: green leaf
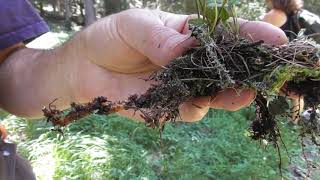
point(224, 14)
point(215, 12)
point(196, 21)
point(211, 14)
point(222, 3)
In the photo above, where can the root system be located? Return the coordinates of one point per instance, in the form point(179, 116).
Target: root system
point(222, 60)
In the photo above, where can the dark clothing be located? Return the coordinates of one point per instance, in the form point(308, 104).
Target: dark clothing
point(302, 19)
point(13, 166)
point(19, 22)
point(292, 26)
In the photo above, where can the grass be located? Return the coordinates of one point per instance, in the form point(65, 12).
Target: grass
point(100, 147)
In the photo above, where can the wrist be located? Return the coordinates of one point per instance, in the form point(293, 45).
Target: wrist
point(31, 79)
point(5, 53)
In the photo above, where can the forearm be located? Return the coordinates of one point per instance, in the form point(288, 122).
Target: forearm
point(31, 79)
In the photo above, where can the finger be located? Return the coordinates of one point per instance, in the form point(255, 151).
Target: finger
point(155, 34)
point(188, 112)
point(174, 38)
point(177, 45)
point(233, 99)
point(192, 111)
point(257, 30)
point(228, 99)
point(291, 94)
point(165, 44)
point(177, 22)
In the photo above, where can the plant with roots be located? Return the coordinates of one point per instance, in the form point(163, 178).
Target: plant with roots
point(223, 59)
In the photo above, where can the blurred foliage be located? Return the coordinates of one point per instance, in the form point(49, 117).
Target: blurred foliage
point(112, 147)
point(55, 10)
point(313, 6)
point(251, 9)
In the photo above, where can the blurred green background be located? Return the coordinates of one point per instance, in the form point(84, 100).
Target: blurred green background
point(113, 147)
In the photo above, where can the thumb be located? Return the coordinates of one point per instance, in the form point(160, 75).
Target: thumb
point(157, 35)
point(166, 44)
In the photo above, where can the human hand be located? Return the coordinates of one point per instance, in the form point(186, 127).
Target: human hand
point(118, 52)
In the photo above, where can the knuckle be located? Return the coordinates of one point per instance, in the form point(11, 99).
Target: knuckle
point(195, 116)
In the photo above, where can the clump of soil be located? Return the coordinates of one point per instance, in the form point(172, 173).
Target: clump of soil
point(222, 60)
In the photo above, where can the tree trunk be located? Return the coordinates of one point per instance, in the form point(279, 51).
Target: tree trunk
point(67, 6)
point(144, 3)
point(90, 15)
point(124, 5)
point(41, 8)
point(112, 6)
point(54, 6)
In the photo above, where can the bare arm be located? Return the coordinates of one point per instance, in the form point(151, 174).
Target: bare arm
point(5, 53)
point(31, 78)
point(111, 58)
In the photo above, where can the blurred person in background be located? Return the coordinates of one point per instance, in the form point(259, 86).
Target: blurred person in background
point(284, 14)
